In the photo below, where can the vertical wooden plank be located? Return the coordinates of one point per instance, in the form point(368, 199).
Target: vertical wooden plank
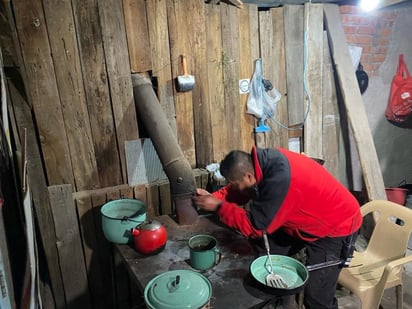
point(265, 43)
point(267, 50)
point(62, 36)
point(42, 89)
point(160, 51)
point(88, 231)
point(152, 194)
point(247, 16)
point(89, 36)
point(294, 32)
point(140, 193)
point(166, 207)
point(201, 177)
point(201, 101)
point(126, 192)
point(280, 122)
point(137, 35)
point(7, 299)
point(331, 120)
point(39, 197)
point(180, 35)
point(121, 278)
point(113, 194)
point(104, 253)
point(118, 69)
point(215, 79)
point(355, 109)
point(259, 138)
point(314, 70)
point(69, 247)
point(230, 62)
point(7, 8)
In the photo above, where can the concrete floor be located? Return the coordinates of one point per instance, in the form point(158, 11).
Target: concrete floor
point(347, 301)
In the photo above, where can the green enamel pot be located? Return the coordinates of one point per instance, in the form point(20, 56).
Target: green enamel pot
point(119, 217)
point(178, 289)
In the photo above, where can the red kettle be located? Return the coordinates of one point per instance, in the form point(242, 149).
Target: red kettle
point(149, 237)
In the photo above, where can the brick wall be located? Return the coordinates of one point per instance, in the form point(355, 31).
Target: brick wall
point(371, 31)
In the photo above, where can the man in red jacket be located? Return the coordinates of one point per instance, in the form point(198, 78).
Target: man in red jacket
point(298, 203)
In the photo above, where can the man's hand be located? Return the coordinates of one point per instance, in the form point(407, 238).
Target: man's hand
point(205, 200)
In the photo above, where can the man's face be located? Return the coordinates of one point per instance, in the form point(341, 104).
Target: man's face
point(245, 185)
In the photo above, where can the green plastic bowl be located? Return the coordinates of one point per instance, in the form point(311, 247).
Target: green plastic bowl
point(119, 217)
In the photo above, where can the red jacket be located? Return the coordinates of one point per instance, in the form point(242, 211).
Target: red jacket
point(295, 193)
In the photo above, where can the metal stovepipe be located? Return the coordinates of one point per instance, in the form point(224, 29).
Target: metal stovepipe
point(175, 165)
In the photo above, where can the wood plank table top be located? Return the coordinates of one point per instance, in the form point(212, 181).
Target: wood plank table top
point(232, 284)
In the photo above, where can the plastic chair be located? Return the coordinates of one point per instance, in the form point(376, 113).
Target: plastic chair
point(380, 266)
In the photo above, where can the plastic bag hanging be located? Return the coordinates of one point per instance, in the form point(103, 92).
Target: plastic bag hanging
point(261, 103)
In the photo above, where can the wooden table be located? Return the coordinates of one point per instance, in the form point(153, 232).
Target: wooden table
point(232, 284)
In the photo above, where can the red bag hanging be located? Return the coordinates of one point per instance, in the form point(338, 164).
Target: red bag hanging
point(400, 99)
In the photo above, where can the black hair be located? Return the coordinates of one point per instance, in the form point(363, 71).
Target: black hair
point(236, 164)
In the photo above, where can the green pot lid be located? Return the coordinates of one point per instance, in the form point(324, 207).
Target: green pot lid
point(178, 289)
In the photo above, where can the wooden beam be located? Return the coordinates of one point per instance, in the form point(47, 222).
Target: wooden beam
point(354, 104)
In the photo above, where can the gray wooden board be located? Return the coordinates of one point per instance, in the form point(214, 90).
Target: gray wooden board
point(69, 246)
point(293, 21)
point(118, 73)
point(6, 280)
point(143, 164)
point(39, 196)
point(159, 43)
point(278, 77)
point(314, 64)
point(97, 92)
point(89, 232)
point(67, 67)
point(332, 134)
point(355, 109)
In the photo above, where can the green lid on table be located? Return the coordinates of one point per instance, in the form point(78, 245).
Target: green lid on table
point(178, 289)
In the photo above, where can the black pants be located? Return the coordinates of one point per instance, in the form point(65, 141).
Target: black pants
point(320, 290)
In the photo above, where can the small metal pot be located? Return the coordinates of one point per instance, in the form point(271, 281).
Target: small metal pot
point(178, 289)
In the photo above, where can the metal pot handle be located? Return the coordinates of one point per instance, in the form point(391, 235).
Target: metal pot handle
point(324, 265)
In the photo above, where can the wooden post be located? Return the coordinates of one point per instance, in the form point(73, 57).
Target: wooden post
point(354, 104)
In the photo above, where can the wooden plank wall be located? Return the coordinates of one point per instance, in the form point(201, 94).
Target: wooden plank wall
point(79, 57)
